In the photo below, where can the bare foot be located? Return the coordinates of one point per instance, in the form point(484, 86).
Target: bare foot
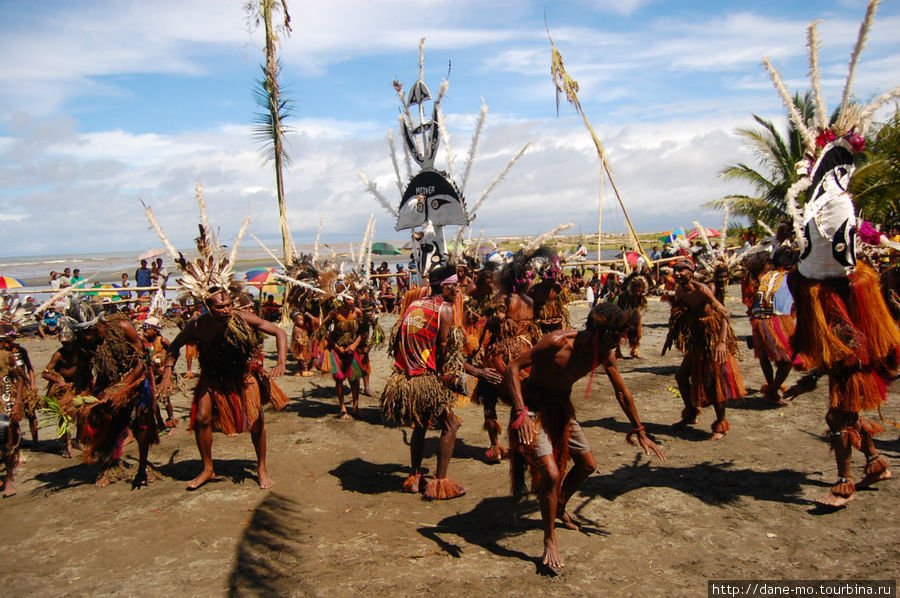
point(567, 521)
point(635, 354)
point(189, 374)
point(9, 489)
point(551, 555)
point(264, 480)
point(774, 399)
point(355, 412)
point(66, 453)
point(833, 500)
point(205, 476)
point(104, 479)
point(718, 436)
point(368, 393)
point(343, 415)
point(871, 478)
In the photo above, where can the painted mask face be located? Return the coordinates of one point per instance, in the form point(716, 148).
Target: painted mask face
point(829, 222)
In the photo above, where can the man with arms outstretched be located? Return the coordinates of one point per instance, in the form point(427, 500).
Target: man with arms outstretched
point(559, 360)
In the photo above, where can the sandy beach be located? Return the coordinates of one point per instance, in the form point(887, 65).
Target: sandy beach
point(337, 525)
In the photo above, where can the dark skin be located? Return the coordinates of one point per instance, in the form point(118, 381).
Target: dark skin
point(448, 422)
point(60, 372)
point(346, 311)
point(16, 414)
point(94, 336)
point(559, 360)
point(151, 335)
point(518, 306)
point(208, 327)
point(699, 299)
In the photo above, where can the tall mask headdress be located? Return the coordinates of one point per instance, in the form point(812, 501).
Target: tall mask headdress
point(826, 228)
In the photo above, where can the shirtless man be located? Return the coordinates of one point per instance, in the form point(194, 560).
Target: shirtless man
point(559, 360)
point(60, 375)
point(230, 363)
point(700, 327)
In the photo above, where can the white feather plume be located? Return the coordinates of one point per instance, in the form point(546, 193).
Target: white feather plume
point(473, 147)
point(372, 188)
point(498, 180)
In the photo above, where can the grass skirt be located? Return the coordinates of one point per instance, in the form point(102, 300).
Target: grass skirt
point(103, 426)
point(711, 382)
point(844, 327)
point(345, 366)
point(772, 338)
point(236, 408)
point(415, 400)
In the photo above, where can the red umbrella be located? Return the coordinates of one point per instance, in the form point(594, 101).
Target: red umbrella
point(8, 282)
point(710, 232)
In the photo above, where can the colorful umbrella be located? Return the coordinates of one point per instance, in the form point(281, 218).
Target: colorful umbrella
point(8, 282)
point(710, 232)
point(104, 293)
point(264, 275)
point(632, 258)
point(670, 236)
point(260, 275)
point(384, 249)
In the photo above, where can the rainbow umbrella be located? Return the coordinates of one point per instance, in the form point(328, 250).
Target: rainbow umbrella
point(8, 282)
point(670, 236)
point(266, 278)
point(260, 275)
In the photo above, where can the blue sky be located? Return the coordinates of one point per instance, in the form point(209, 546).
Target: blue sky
point(106, 103)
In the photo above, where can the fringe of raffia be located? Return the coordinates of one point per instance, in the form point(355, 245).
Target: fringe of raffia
point(443, 489)
point(843, 489)
point(871, 315)
point(414, 400)
point(876, 467)
point(413, 483)
point(720, 426)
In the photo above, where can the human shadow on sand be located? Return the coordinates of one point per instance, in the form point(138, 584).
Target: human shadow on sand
point(269, 559)
point(77, 474)
point(487, 525)
point(237, 470)
point(695, 433)
point(321, 402)
point(365, 477)
point(718, 484)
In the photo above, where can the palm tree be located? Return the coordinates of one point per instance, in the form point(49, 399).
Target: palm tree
point(270, 129)
point(777, 156)
point(875, 185)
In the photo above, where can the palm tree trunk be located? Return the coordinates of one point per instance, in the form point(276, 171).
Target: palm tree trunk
point(287, 243)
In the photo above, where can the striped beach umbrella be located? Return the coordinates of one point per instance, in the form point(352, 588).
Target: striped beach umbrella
point(8, 282)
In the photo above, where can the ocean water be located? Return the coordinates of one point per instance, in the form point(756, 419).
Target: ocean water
point(34, 271)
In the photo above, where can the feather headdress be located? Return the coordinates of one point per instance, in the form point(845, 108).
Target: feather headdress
point(826, 225)
point(213, 269)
